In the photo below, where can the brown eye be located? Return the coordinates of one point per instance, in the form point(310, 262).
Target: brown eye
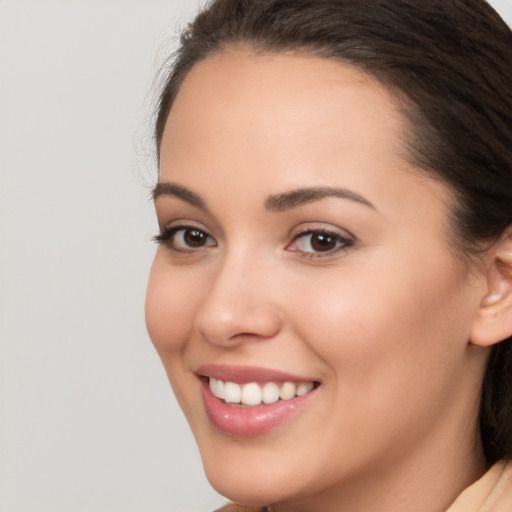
point(317, 242)
point(185, 238)
point(194, 237)
point(321, 242)
point(189, 238)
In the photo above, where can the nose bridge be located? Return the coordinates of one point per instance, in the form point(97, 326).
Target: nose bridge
point(238, 304)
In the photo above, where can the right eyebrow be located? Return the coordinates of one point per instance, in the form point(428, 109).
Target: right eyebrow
point(295, 198)
point(166, 188)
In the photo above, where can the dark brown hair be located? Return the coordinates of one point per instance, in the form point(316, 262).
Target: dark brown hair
point(449, 62)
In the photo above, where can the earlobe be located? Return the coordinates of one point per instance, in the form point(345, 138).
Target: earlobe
point(494, 319)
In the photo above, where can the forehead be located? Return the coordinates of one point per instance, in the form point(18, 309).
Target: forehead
point(240, 93)
point(265, 123)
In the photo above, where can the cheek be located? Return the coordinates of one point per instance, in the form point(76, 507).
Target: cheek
point(171, 304)
point(381, 340)
point(379, 326)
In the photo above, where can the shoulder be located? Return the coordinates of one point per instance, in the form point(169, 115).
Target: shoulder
point(232, 507)
point(492, 493)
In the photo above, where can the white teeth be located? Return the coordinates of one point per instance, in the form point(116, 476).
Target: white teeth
point(217, 387)
point(288, 390)
point(255, 394)
point(232, 392)
point(270, 393)
point(251, 394)
point(304, 387)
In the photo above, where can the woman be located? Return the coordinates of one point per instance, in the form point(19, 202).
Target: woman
point(332, 294)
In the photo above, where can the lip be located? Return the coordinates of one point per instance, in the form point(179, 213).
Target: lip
point(246, 374)
point(249, 421)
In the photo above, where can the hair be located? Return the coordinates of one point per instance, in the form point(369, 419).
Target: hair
point(449, 63)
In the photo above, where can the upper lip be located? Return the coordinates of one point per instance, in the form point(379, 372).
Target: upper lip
point(246, 374)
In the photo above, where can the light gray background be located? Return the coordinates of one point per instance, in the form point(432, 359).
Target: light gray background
point(87, 419)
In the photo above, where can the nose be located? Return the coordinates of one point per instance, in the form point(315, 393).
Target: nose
point(239, 305)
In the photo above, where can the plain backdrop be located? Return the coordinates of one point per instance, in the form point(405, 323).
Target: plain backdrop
point(87, 419)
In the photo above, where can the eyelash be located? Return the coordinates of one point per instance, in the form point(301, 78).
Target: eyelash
point(166, 236)
point(342, 243)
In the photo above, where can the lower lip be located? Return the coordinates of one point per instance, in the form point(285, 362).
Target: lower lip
point(250, 421)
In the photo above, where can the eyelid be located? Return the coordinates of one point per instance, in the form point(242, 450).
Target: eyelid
point(166, 234)
point(347, 239)
point(323, 227)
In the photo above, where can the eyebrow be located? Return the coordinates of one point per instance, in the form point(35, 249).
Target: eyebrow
point(174, 190)
point(275, 203)
point(301, 196)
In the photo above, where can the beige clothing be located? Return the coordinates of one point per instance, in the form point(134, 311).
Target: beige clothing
point(492, 493)
point(239, 508)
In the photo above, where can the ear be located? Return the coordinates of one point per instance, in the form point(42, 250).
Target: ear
point(494, 318)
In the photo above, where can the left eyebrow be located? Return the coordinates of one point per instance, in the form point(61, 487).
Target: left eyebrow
point(295, 198)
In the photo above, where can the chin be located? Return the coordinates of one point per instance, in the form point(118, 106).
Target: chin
point(246, 492)
point(249, 483)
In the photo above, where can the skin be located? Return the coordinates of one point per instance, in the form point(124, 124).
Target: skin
point(382, 324)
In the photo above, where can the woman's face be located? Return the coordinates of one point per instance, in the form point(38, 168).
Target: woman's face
point(303, 256)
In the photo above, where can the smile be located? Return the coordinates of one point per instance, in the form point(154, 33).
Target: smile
point(249, 401)
point(254, 393)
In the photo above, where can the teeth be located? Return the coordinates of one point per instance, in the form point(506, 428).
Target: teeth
point(270, 393)
point(304, 387)
point(254, 393)
point(288, 390)
point(251, 394)
point(232, 393)
point(217, 387)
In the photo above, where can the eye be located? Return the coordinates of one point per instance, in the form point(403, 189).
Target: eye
point(185, 238)
point(320, 242)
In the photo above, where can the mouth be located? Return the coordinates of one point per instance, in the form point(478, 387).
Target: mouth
point(255, 393)
point(251, 401)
